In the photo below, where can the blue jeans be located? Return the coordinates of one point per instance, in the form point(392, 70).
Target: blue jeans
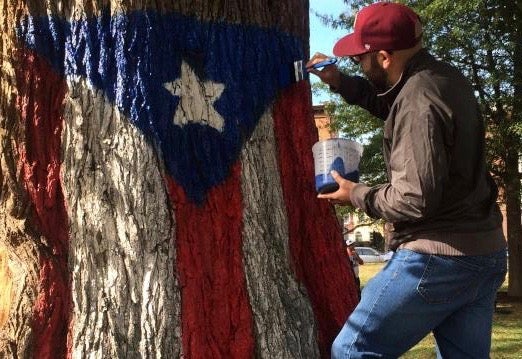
point(415, 294)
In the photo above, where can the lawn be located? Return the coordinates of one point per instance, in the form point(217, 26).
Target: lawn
point(507, 324)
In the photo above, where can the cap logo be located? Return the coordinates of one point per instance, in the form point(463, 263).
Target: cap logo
point(367, 46)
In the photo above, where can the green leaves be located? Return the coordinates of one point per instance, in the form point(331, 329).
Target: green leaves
point(481, 38)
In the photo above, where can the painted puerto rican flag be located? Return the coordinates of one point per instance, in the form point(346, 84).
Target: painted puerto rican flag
point(168, 159)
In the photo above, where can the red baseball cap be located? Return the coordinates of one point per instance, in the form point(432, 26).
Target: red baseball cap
point(381, 26)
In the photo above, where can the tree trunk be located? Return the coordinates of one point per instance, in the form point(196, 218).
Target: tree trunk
point(157, 184)
point(514, 227)
point(513, 164)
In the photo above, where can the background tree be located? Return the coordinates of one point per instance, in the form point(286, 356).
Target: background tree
point(484, 40)
point(157, 194)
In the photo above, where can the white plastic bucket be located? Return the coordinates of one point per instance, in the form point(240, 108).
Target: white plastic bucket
point(339, 154)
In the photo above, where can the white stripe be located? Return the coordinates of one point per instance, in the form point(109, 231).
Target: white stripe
point(121, 251)
point(284, 320)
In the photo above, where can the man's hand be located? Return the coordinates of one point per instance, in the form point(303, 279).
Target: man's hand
point(329, 74)
point(342, 195)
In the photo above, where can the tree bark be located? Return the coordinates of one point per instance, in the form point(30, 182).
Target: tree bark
point(513, 179)
point(124, 235)
point(514, 226)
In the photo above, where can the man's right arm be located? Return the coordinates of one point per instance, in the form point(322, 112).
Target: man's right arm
point(356, 90)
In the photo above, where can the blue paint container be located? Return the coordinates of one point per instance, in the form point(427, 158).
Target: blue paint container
point(339, 154)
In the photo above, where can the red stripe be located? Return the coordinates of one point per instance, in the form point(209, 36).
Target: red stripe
point(315, 235)
point(216, 314)
point(40, 101)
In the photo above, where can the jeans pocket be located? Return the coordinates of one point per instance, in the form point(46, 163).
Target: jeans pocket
point(447, 278)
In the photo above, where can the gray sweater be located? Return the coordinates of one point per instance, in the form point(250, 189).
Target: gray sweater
point(440, 198)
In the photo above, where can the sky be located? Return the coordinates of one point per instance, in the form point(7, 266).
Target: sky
point(323, 38)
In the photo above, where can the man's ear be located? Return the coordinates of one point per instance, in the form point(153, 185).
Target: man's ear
point(384, 59)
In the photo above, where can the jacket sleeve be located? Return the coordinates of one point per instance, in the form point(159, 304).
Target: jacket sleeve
point(356, 90)
point(418, 164)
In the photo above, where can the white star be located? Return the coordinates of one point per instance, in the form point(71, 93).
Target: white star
point(196, 99)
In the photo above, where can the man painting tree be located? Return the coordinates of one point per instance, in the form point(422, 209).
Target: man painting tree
point(157, 184)
point(486, 44)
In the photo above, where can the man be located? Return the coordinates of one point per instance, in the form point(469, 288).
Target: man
point(446, 226)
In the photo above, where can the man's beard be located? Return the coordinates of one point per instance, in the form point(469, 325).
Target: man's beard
point(377, 76)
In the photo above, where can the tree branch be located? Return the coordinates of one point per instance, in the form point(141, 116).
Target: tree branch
point(365, 224)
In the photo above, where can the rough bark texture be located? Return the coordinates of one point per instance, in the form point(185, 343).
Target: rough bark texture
point(33, 232)
point(104, 252)
point(287, 328)
point(121, 236)
point(19, 248)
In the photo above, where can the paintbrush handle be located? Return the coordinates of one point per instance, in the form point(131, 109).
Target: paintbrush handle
point(329, 61)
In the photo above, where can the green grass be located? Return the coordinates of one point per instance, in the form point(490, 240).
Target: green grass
point(507, 324)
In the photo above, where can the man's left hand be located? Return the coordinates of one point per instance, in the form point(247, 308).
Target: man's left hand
point(342, 195)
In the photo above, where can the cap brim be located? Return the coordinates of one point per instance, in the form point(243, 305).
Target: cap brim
point(349, 46)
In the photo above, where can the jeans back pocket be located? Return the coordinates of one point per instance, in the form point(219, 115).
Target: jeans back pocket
point(446, 278)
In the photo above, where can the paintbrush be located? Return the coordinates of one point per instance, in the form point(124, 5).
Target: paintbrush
point(300, 72)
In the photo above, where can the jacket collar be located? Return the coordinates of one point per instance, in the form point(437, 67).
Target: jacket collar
point(414, 65)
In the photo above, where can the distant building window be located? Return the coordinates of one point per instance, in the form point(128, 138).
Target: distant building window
point(358, 236)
